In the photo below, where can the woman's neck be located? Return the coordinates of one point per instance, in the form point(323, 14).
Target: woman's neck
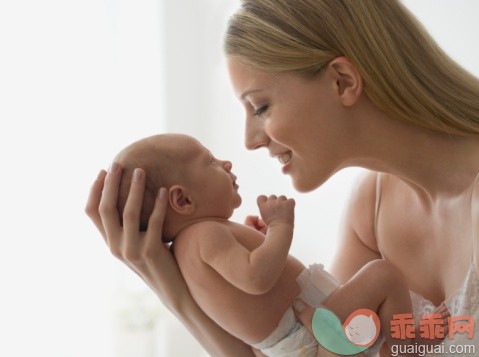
point(435, 164)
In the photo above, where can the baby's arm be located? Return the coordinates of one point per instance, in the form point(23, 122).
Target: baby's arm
point(257, 271)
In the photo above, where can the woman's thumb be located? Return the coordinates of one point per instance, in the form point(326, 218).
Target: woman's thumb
point(304, 313)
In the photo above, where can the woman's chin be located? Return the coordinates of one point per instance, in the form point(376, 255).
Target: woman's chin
point(302, 187)
point(305, 185)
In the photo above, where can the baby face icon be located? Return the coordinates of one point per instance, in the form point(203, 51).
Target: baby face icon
point(362, 327)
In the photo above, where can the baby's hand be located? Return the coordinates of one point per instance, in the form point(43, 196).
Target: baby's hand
point(276, 210)
point(256, 223)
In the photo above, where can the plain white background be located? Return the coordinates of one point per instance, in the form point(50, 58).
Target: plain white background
point(81, 79)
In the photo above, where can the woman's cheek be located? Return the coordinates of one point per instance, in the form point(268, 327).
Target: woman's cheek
point(280, 130)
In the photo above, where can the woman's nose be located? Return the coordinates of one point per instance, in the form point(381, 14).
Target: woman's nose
point(255, 137)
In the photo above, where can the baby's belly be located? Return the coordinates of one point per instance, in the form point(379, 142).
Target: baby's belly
point(249, 317)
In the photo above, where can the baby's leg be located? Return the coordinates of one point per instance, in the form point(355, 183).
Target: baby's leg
point(378, 286)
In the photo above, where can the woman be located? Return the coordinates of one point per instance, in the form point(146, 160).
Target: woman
point(331, 84)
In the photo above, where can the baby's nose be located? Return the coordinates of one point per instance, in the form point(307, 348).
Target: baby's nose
point(228, 165)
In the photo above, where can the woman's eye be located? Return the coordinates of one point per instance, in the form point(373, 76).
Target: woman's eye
point(261, 110)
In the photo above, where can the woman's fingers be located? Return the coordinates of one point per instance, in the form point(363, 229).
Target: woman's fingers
point(131, 216)
point(154, 238)
point(304, 313)
point(107, 208)
point(91, 208)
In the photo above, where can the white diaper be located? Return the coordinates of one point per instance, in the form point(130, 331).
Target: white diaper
point(291, 338)
point(316, 284)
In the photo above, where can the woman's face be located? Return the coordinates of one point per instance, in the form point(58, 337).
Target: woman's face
point(299, 120)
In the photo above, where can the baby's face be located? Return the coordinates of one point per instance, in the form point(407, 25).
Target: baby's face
point(210, 180)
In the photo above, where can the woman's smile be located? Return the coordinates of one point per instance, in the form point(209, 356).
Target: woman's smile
point(284, 158)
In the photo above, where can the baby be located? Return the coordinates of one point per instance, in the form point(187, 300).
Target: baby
point(241, 278)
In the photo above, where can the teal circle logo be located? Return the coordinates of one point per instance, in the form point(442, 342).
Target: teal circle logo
point(357, 334)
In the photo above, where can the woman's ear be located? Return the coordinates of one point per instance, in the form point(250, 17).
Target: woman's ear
point(349, 83)
point(180, 200)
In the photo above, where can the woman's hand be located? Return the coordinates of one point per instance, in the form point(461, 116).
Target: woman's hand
point(144, 252)
point(304, 313)
point(147, 255)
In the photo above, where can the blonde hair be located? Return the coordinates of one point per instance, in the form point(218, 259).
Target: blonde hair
point(405, 73)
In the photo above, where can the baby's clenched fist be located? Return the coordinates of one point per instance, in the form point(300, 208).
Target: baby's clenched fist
point(276, 210)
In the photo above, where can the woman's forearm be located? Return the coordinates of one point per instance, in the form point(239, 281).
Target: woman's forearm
point(172, 290)
point(215, 340)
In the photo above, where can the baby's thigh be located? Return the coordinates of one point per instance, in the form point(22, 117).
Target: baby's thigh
point(367, 289)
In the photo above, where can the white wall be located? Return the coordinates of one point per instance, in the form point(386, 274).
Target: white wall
point(79, 80)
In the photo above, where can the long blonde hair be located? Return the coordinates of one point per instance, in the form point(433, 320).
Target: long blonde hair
point(405, 73)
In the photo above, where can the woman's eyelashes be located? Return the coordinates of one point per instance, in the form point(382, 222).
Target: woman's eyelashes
point(261, 110)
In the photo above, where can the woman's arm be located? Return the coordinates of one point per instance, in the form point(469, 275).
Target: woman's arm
point(357, 240)
point(151, 259)
point(475, 222)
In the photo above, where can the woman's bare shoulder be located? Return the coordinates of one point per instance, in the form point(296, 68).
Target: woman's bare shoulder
point(357, 242)
point(361, 209)
point(475, 222)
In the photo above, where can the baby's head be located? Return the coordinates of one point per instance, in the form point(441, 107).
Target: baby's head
point(198, 185)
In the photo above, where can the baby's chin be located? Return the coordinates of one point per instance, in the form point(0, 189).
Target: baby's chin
point(238, 202)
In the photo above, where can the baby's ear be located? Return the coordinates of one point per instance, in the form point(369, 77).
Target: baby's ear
point(180, 200)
